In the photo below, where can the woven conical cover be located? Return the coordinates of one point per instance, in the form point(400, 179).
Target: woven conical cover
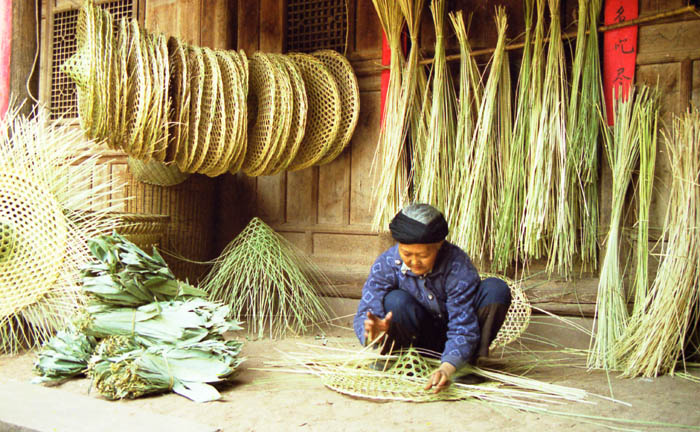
point(179, 91)
point(298, 119)
point(324, 115)
point(403, 381)
point(156, 173)
point(263, 275)
point(349, 99)
point(33, 232)
point(262, 105)
point(518, 316)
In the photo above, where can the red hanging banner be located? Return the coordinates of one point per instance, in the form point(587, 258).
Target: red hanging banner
point(619, 50)
point(5, 53)
point(386, 73)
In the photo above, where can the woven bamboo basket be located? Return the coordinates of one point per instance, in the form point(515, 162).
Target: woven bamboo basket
point(156, 173)
point(144, 230)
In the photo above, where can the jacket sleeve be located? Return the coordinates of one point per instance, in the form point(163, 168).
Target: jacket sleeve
point(381, 280)
point(463, 331)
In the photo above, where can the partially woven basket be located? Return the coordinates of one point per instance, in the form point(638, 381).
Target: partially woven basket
point(324, 115)
point(34, 239)
point(156, 173)
point(349, 98)
point(517, 317)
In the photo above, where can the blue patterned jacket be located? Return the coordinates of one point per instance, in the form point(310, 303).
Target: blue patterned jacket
point(447, 291)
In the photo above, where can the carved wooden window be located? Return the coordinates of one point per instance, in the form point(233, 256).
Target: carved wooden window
point(316, 24)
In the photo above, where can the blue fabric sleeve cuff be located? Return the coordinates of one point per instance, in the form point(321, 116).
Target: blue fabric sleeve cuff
point(455, 361)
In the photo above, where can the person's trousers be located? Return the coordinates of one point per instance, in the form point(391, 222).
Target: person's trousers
point(413, 325)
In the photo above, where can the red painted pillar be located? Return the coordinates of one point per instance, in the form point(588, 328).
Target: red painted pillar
point(619, 51)
point(5, 52)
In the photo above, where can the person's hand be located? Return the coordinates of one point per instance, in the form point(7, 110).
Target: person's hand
point(440, 379)
point(374, 326)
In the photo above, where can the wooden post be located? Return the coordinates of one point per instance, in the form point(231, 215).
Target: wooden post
point(24, 73)
point(686, 84)
point(5, 53)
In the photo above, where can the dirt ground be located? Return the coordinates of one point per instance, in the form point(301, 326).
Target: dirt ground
point(272, 401)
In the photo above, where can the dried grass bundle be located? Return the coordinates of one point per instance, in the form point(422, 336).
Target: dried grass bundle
point(479, 189)
point(583, 128)
point(470, 96)
point(659, 331)
point(46, 217)
point(622, 149)
point(434, 157)
point(265, 278)
point(515, 174)
point(390, 162)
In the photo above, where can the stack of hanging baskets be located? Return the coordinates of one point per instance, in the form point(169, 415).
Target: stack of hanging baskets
point(183, 109)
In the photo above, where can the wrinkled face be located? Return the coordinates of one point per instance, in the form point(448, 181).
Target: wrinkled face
point(420, 258)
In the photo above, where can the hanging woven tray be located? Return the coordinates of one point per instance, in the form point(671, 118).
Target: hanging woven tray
point(349, 99)
point(179, 90)
point(234, 106)
point(283, 116)
point(324, 115)
point(195, 71)
point(263, 107)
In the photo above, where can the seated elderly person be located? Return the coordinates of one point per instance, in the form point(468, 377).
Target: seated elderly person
point(425, 292)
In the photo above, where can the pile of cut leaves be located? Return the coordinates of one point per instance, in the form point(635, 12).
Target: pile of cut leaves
point(142, 331)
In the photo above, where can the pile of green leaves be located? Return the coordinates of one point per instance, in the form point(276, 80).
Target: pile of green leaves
point(120, 369)
point(155, 333)
point(64, 356)
point(124, 275)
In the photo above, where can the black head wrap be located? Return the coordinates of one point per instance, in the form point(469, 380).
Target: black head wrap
point(410, 231)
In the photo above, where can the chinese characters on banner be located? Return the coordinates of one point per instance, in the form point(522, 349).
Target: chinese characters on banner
point(619, 50)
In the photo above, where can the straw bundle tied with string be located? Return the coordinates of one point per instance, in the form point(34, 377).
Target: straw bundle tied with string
point(658, 337)
point(44, 194)
point(346, 80)
point(622, 149)
point(324, 114)
point(390, 162)
point(268, 283)
point(479, 189)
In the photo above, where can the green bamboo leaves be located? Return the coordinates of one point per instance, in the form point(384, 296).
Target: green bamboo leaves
point(124, 275)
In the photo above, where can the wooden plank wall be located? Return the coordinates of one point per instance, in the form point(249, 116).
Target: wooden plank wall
point(326, 211)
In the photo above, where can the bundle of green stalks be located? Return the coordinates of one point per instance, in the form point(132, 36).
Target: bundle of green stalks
point(514, 178)
point(433, 158)
point(124, 275)
point(479, 189)
point(122, 369)
point(469, 101)
point(390, 162)
point(622, 149)
point(532, 243)
point(583, 121)
point(64, 356)
point(169, 322)
point(657, 336)
point(265, 278)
